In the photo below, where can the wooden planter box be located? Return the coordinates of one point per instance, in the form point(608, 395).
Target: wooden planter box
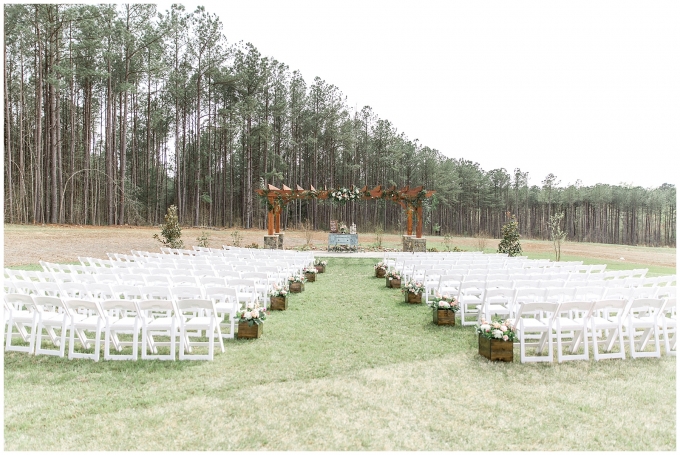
point(296, 287)
point(311, 277)
point(394, 284)
point(414, 298)
point(495, 349)
point(249, 331)
point(320, 268)
point(380, 273)
point(278, 303)
point(443, 317)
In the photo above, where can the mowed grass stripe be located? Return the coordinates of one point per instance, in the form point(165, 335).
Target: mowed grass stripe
point(348, 366)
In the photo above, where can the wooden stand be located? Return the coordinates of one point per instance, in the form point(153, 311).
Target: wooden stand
point(278, 303)
point(249, 331)
point(494, 349)
point(380, 273)
point(296, 287)
point(414, 298)
point(311, 277)
point(443, 317)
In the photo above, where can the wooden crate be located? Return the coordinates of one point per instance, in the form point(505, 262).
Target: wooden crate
point(443, 317)
point(249, 331)
point(311, 277)
point(495, 349)
point(380, 273)
point(296, 287)
point(320, 268)
point(278, 303)
point(394, 284)
point(414, 298)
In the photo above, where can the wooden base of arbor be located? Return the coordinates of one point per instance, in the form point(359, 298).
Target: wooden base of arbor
point(494, 349)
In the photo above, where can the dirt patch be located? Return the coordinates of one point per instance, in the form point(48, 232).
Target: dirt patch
point(62, 243)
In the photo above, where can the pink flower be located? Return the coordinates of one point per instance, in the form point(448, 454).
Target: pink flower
point(505, 338)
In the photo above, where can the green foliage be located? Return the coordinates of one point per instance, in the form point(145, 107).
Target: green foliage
point(171, 231)
point(236, 238)
point(557, 235)
point(253, 245)
point(203, 239)
point(448, 244)
point(510, 242)
point(379, 234)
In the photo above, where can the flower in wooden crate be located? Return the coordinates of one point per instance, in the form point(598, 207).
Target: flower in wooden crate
point(320, 262)
point(278, 290)
point(297, 278)
point(414, 287)
point(252, 314)
point(310, 270)
point(444, 302)
point(393, 275)
point(497, 329)
point(380, 266)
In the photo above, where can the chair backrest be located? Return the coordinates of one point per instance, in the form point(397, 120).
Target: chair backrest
point(72, 290)
point(157, 280)
point(581, 309)
point(160, 307)
point(534, 294)
point(19, 301)
point(609, 308)
point(77, 306)
point(648, 307)
point(127, 292)
point(49, 288)
point(186, 292)
point(195, 305)
point(121, 307)
point(156, 292)
point(618, 293)
point(47, 303)
point(543, 311)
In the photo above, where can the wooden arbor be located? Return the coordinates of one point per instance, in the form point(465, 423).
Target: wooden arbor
point(411, 199)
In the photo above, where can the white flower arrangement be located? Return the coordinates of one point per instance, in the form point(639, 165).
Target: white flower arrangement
point(297, 278)
point(252, 314)
point(320, 262)
point(414, 287)
point(497, 329)
point(444, 302)
point(279, 291)
point(380, 266)
point(345, 194)
point(310, 270)
point(393, 275)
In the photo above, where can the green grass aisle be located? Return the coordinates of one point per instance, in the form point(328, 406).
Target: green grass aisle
point(349, 366)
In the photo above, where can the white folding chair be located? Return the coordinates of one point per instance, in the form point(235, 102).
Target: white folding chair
point(496, 301)
point(470, 299)
point(20, 313)
point(643, 314)
point(606, 327)
point(121, 317)
point(51, 315)
point(571, 321)
point(198, 315)
point(534, 320)
point(669, 323)
point(159, 318)
point(226, 305)
point(85, 316)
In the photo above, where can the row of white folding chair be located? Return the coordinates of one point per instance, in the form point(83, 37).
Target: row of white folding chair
point(38, 313)
point(489, 299)
point(183, 318)
point(604, 322)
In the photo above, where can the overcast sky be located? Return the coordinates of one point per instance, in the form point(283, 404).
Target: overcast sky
point(585, 90)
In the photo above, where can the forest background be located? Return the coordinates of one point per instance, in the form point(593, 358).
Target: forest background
point(115, 112)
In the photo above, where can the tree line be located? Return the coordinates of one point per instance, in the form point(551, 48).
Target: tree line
point(115, 112)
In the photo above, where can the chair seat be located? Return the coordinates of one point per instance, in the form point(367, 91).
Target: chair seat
point(197, 322)
point(530, 324)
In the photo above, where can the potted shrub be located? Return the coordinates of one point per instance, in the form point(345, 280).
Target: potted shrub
point(380, 269)
point(496, 339)
point(310, 273)
point(413, 291)
point(278, 297)
point(320, 265)
point(296, 283)
point(444, 309)
point(393, 279)
point(250, 321)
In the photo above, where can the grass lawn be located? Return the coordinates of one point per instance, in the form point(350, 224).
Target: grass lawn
point(348, 366)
